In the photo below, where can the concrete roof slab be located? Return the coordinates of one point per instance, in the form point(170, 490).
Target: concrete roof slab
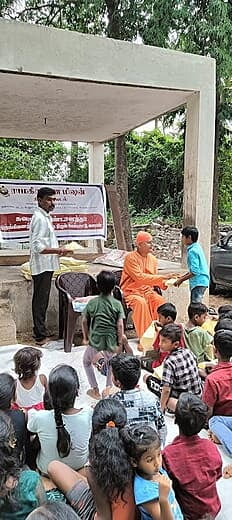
point(48, 108)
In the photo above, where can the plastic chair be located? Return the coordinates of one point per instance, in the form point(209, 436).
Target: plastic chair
point(70, 286)
point(118, 294)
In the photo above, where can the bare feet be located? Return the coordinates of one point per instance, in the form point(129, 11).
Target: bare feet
point(213, 438)
point(43, 341)
point(227, 471)
point(145, 377)
point(109, 390)
point(94, 393)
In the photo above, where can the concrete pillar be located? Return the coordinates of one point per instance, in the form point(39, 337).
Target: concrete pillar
point(199, 163)
point(96, 176)
point(96, 163)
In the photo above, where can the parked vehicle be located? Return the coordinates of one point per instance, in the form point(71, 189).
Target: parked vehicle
point(221, 263)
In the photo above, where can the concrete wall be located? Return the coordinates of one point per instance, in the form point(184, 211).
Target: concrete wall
point(19, 293)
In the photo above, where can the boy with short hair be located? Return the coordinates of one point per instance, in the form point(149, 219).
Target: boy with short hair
point(197, 339)
point(193, 465)
point(225, 311)
point(166, 314)
point(102, 327)
point(180, 372)
point(140, 405)
point(198, 271)
point(217, 393)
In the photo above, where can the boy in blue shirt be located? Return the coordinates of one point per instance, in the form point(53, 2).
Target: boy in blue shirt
point(198, 271)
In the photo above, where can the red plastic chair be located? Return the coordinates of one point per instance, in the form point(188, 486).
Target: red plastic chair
point(70, 286)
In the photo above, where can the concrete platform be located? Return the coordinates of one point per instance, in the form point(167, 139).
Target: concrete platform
point(18, 290)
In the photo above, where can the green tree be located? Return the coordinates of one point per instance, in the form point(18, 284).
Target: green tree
point(78, 163)
point(156, 160)
point(225, 176)
point(203, 27)
point(24, 159)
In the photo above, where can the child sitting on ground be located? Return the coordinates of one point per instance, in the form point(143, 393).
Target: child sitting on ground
point(63, 431)
point(153, 491)
point(7, 397)
point(225, 311)
point(223, 324)
point(107, 492)
point(166, 314)
point(217, 392)
point(140, 405)
point(53, 511)
point(180, 372)
point(198, 340)
point(30, 386)
point(220, 431)
point(103, 330)
point(21, 490)
point(198, 466)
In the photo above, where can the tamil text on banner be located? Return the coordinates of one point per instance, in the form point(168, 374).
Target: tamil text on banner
point(80, 211)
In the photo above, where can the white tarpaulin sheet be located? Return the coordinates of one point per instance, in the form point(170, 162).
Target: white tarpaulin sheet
point(80, 210)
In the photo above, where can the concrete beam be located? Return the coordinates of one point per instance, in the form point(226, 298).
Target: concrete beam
point(94, 58)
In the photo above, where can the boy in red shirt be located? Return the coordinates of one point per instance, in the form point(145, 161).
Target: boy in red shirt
point(217, 393)
point(193, 464)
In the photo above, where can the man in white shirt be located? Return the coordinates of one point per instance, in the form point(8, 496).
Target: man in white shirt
point(44, 259)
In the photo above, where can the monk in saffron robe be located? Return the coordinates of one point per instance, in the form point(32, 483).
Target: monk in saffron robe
point(139, 276)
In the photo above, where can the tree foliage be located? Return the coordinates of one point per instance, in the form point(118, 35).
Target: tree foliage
point(37, 160)
point(155, 168)
point(225, 176)
point(155, 165)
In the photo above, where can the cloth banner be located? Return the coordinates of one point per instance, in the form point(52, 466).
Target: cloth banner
point(80, 211)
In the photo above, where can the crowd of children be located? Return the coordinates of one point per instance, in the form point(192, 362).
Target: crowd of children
point(111, 461)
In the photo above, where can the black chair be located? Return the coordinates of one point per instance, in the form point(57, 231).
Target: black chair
point(70, 286)
point(118, 294)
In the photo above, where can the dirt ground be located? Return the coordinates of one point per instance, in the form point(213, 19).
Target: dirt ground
point(222, 297)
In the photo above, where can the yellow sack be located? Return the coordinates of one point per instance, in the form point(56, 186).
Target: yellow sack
point(67, 264)
point(158, 372)
point(148, 337)
point(26, 271)
point(209, 325)
point(73, 246)
point(70, 261)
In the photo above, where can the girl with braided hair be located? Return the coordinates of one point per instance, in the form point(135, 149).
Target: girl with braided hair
point(21, 490)
point(106, 492)
point(64, 431)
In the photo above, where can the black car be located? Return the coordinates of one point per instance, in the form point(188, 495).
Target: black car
point(221, 263)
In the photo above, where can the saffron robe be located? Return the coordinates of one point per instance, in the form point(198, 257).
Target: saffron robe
point(139, 276)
